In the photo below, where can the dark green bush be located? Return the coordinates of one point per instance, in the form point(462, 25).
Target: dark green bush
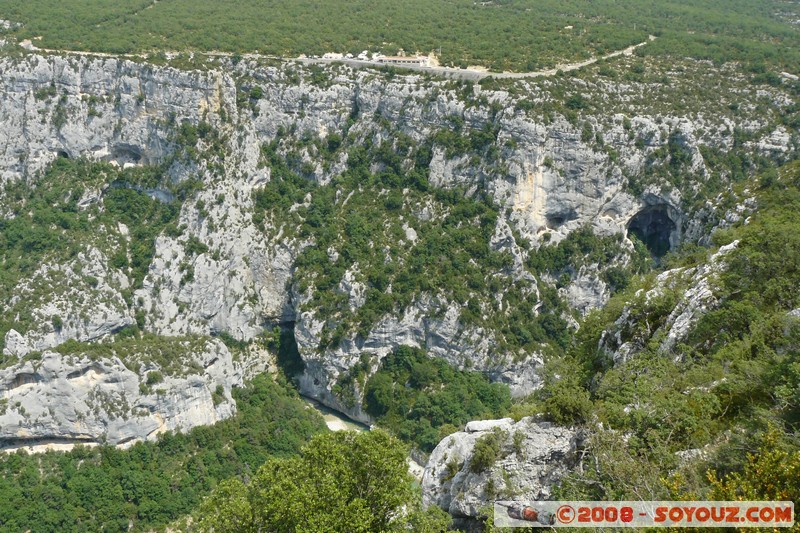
point(487, 450)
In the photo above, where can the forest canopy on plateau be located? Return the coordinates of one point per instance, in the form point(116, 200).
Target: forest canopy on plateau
point(517, 35)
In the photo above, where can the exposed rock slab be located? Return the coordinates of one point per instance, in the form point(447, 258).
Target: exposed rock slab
point(533, 457)
point(82, 398)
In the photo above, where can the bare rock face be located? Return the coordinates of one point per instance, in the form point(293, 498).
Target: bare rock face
point(587, 291)
point(532, 457)
point(80, 300)
point(83, 398)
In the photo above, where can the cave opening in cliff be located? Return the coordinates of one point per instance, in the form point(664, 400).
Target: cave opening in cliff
point(654, 227)
point(124, 153)
point(558, 219)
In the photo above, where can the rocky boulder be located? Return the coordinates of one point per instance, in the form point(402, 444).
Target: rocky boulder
point(493, 459)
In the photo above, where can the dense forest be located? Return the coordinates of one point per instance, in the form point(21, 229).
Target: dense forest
point(343, 481)
point(423, 399)
point(516, 35)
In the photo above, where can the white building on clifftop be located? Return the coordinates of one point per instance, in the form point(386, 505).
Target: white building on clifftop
point(417, 61)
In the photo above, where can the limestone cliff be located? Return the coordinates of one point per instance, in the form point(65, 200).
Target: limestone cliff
point(115, 394)
point(544, 172)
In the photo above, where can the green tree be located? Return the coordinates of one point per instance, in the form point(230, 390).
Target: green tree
point(342, 481)
point(414, 395)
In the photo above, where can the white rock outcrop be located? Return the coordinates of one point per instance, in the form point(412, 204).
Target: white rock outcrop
point(532, 458)
point(86, 399)
point(80, 299)
point(694, 288)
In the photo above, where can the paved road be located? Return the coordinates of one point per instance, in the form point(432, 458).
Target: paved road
point(446, 72)
point(466, 74)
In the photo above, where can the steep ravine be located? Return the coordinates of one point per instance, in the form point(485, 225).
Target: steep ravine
point(208, 128)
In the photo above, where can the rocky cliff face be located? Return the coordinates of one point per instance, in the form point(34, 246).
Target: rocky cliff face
point(546, 174)
point(115, 395)
point(84, 287)
point(527, 462)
